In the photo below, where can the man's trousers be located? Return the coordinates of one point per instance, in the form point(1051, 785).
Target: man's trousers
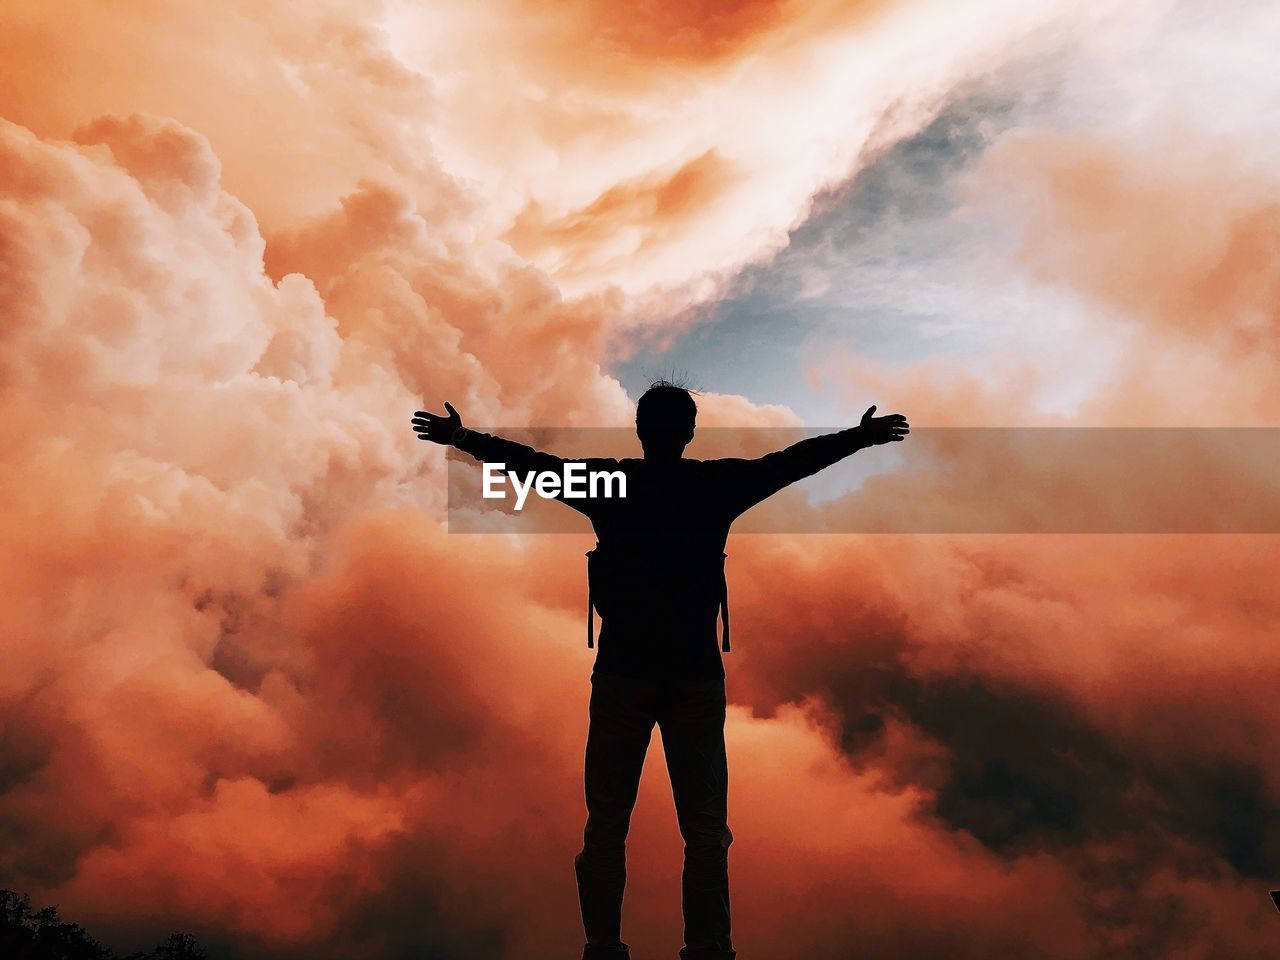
point(690, 714)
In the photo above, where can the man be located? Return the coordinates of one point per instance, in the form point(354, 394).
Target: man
point(657, 579)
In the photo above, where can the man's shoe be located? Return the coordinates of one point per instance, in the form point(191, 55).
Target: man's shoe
point(611, 951)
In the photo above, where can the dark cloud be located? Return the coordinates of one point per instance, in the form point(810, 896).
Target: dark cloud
point(1029, 770)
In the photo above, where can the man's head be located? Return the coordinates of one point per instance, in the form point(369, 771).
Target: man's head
point(664, 419)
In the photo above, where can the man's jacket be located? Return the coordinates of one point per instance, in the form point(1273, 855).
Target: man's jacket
point(657, 577)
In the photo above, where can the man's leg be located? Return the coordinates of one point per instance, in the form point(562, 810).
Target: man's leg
point(622, 720)
point(692, 724)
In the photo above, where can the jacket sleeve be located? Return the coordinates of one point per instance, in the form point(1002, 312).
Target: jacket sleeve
point(487, 448)
point(751, 481)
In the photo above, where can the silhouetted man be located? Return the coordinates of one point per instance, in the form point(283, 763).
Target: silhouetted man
point(656, 577)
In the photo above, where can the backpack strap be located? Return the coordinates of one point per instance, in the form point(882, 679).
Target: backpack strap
point(724, 608)
point(591, 606)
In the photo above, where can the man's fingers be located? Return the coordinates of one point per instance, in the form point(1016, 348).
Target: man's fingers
point(429, 416)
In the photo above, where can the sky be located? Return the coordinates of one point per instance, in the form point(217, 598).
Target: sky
point(255, 690)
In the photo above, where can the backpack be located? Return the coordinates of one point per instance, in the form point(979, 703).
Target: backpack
point(607, 570)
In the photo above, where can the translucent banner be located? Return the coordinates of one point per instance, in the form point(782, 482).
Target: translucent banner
point(938, 480)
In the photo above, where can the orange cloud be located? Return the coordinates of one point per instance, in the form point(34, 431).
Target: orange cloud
point(625, 221)
point(216, 649)
point(699, 32)
point(252, 688)
point(1167, 233)
point(1172, 244)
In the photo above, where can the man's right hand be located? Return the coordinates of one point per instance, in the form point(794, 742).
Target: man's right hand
point(436, 427)
point(878, 430)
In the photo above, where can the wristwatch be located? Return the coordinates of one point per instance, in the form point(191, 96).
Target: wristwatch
point(458, 434)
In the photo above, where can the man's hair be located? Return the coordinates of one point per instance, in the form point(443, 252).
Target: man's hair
point(666, 405)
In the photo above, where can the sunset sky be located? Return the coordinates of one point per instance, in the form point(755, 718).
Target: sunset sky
point(254, 690)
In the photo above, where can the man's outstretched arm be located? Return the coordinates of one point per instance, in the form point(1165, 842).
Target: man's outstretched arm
point(765, 476)
point(485, 447)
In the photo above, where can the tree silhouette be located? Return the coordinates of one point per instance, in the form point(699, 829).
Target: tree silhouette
point(27, 934)
point(179, 946)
